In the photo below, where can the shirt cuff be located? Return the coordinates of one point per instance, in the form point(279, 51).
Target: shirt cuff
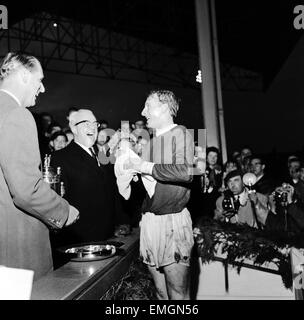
point(147, 167)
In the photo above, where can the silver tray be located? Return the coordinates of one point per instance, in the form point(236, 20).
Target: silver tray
point(90, 252)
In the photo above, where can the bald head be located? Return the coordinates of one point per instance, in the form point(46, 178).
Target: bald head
point(82, 114)
point(84, 127)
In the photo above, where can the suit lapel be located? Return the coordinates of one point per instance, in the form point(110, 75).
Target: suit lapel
point(83, 155)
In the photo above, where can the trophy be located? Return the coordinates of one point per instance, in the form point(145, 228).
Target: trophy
point(52, 177)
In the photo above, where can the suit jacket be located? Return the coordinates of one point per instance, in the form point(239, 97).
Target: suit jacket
point(265, 185)
point(294, 219)
point(27, 204)
point(299, 190)
point(90, 189)
point(245, 213)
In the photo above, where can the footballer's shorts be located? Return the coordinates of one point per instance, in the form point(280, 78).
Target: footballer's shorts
point(166, 239)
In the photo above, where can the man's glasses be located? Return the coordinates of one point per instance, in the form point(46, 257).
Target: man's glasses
point(255, 164)
point(88, 123)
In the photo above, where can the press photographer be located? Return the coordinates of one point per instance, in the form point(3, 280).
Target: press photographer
point(241, 204)
point(286, 210)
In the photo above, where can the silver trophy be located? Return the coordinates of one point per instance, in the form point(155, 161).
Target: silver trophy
point(52, 177)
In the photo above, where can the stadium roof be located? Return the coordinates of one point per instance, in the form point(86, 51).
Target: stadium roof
point(255, 35)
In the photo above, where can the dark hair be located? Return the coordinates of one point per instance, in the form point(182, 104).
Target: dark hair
point(71, 109)
point(212, 149)
point(256, 156)
point(233, 174)
point(57, 134)
point(43, 114)
point(294, 160)
point(246, 146)
point(66, 130)
point(106, 132)
point(52, 125)
point(230, 160)
point(217, 151)
point(103, 121)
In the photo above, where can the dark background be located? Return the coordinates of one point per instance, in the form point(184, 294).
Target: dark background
point(254, 35)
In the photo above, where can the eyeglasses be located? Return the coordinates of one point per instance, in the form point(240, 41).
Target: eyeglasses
point(87, 123)
point(256, 164)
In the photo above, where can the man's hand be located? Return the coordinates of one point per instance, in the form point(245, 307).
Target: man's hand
point(271, 203)
point(73, 216)
point(290, 193)
point(253, 197)
point(229, 214)
point(289, 189)
point(133, 164)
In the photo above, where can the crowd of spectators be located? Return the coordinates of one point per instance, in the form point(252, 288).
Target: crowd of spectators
point(274, 200)
point(216, 180)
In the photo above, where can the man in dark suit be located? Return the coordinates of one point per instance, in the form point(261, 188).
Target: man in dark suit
point(294, 166)
point(287, 213)
point(88, 184)
point(28, 205)
point(265, 184)
point(105, 155)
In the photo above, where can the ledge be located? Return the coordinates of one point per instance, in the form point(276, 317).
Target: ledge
point(87, 280)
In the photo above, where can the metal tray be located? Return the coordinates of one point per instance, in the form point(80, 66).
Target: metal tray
point(90, 252)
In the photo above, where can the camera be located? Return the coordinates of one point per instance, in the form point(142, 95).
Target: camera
point(281, 195)
point(230, 205)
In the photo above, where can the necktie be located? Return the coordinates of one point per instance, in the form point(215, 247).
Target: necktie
point(94, 156)
point(237, 203)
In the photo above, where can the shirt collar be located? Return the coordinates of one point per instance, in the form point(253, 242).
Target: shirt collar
point(12, 95)
point(164, 130)
point(84, 148)
point(242, 197)
point(259, 178)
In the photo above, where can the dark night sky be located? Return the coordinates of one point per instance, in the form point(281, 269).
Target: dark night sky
point(256, 35)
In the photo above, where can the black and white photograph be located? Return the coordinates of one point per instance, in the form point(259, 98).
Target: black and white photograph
point(152, 150)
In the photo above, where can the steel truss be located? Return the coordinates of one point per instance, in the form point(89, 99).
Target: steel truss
point(66, 46)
